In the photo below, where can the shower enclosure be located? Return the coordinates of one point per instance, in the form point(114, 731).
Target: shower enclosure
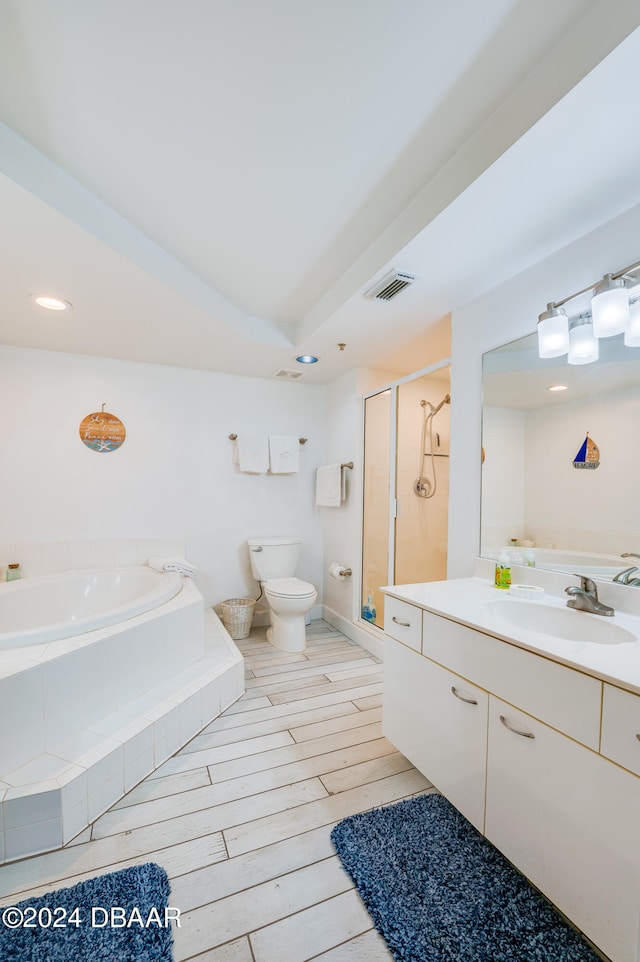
point(406, 486)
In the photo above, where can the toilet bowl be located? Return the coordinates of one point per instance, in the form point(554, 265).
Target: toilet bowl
point(273, 562)
point(289, 600)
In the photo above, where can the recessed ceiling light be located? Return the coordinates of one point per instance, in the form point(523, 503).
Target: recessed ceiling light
point(558, 387)
point(51, 303)
point(306, 359)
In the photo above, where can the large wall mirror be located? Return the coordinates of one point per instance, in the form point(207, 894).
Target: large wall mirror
point(537, 415)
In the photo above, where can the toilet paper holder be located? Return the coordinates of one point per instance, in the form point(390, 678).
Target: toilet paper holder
point(339, 571)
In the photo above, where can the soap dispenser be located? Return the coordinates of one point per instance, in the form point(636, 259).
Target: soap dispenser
point(503, 571)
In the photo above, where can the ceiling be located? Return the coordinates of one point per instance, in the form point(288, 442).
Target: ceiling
point(515, 376)
point(215, 183)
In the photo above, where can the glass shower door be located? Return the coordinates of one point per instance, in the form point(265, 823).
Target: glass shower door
point(376, 511)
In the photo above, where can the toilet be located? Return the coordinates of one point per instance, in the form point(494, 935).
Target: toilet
point(273, 563)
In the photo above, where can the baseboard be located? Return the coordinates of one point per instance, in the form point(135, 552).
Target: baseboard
point(362, 636)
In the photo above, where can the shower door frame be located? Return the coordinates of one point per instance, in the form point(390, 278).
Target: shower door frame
point(393, 387)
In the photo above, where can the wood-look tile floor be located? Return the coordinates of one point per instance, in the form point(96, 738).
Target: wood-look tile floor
point(240, 818)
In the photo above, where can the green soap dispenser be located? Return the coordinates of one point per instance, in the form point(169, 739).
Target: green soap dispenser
point(503, 571)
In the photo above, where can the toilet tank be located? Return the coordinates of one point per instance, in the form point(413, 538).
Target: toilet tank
point(273, 557)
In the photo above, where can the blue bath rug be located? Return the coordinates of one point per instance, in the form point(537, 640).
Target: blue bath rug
point(438, 891)
point(119, 917)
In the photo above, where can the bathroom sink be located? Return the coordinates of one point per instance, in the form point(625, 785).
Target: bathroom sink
point(563, 623)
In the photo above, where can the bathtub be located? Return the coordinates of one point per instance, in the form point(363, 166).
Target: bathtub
point(91, 703)
point(35, 611)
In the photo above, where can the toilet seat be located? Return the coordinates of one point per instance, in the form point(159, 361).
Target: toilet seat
point(289, 588)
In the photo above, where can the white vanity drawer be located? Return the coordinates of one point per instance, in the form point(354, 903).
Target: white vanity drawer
point(621, 727)
point(403, 622)
point(560, 696)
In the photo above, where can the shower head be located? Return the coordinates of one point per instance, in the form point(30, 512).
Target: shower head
point(445, 400)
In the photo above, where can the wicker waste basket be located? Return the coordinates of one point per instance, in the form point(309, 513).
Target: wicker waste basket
point(237, 615)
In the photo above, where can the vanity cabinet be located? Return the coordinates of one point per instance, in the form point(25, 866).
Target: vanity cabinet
point(439, 722)
point(569, 820)
point(522, 759)
point(403, 622)
point(621, 727)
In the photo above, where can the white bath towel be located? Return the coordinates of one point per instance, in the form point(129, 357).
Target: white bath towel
point(330, 486)
point(252, 453)
point(284, 454)
point(173, 564)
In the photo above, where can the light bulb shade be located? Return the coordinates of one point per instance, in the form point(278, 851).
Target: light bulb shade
point(583, 344)
point(610, 307)
point(632, 334)
point(553, 332)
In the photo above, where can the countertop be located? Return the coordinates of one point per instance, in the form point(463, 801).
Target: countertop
point(468, 601)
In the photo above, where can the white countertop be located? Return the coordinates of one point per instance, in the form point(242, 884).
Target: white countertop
point(467, 601)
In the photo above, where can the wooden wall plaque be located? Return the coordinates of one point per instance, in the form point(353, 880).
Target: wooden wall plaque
point(102, 432)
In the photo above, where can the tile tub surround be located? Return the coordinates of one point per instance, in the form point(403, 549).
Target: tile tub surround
point(53, 557)
point(241, 817)
point(69, 748)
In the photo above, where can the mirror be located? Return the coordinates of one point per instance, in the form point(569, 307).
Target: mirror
point(535, 502)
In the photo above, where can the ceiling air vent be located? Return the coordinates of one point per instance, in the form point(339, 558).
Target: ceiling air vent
point(285, 375)
point(390, 285)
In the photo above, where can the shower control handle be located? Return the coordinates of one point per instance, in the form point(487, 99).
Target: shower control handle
point(403, 624)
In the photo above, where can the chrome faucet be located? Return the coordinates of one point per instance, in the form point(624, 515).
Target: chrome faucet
point(585, 598)
point(625, 577)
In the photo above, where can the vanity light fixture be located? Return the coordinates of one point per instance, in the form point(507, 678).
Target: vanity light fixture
point(558, 387)
point(583, 344)
point(632, 334)
point(553, 332)
point(610, 315)
point(307, 359)
point(610, 307)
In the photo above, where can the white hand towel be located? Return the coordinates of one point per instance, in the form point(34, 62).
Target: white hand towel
point(173, 564)
point(329, 486)
point(252, 453)
point(284, 454)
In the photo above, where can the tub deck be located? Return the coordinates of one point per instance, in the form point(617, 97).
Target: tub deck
point(91, 756)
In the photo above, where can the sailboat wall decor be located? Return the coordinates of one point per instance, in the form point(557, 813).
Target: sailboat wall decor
point(588, 456)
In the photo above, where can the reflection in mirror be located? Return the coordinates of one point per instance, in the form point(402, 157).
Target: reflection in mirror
point(536, 417)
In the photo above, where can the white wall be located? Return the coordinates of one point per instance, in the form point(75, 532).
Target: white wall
point(172, 479)
point(504, 313)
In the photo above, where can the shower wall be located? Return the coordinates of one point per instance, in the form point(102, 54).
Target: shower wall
point(421, 525)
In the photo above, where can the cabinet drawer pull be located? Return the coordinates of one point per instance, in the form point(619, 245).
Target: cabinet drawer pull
point(403, 624)
point(516, 731)
point(469, 701)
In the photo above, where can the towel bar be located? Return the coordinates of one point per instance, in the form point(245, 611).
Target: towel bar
point(347, 464)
